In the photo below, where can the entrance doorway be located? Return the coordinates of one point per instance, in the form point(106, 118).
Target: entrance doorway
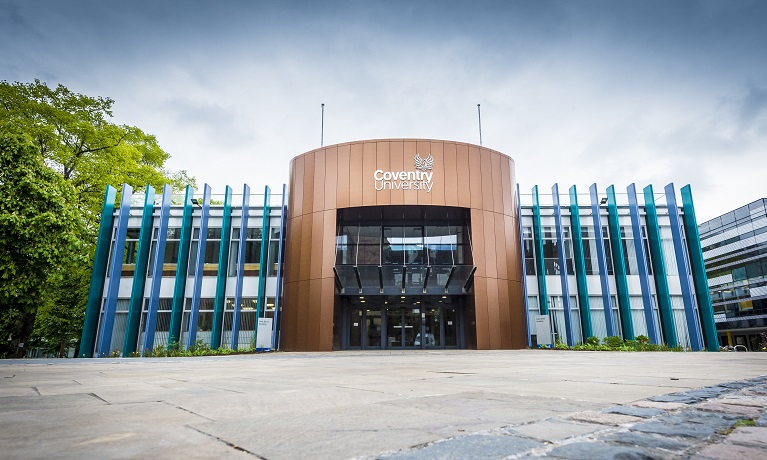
point(391, 322)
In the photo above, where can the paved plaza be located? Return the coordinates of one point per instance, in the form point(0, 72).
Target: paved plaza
point(412, 404)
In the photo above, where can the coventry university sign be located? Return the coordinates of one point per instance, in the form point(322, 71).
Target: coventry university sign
point(420, 179)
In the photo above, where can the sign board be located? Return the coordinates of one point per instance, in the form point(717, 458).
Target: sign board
point(543, 329)
point(264, 337)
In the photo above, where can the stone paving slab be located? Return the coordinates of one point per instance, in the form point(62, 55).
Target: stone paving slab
point(693, 424)
point(594, 451)
point(605, 419)
point(729, 452)
point(647, 440)
point(476, 446)
point(658, 405)
point(643, 412)
point(749, 436)
point(554, 430)
point(465, 403)
point(724, 408)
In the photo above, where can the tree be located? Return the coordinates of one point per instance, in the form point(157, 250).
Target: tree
point(40, 229)
point(72, 137)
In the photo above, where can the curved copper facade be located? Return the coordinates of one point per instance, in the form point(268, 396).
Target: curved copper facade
point(342, 176)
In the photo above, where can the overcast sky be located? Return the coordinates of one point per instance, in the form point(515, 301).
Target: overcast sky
point(611, 92)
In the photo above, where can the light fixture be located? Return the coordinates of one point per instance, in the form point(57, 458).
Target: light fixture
point(196, 202)
point(603, 201)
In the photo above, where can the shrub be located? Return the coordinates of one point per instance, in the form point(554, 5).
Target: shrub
point(593, 340)
point(613, 342)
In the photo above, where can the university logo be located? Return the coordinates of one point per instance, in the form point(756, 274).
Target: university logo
point(420, 179)
point(424, 165)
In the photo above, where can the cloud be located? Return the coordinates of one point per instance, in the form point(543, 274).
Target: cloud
point(606, 92)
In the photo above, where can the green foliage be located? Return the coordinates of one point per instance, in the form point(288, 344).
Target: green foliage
point(73, 134)
point(199, 348)
point(40, 234)
point(745, 422)
point(613, 342)
point(642, 339)
point(561, 346)
point(71, 152)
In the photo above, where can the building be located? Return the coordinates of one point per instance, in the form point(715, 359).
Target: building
point(396, 243)
point(735, 251)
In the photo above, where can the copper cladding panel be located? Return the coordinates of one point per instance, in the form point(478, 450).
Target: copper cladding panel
point(504, 311)
point(397, 153)
point(297, 193)
point(491, 254)
point(318, 237)
point(438, 187)
point(461, 174)
point(328, 243)
point(451, 174)
point(305, 258)
point(341, 176)
point(355, 175)
point(475, 178)
point(493, 314)
point(327, 304)
point(331, 177)
point(507, 192)
point(314, 304)
point(368, 168)
point(487, 182)
point(302, 319)
point(409, 151)
point(478, 241)
point(319, 182)
point(383, 162)
point(344, 163)
point(423, 148)
point(480, 307)
point(308, 203)
point(495, 171)
point(500, 246)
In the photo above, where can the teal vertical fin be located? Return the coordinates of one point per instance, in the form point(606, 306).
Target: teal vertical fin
point(580, 265)
point(262, 268)
point(540, 269)
point(181, 268)
point(659, 268)
point(699, 270)
point(98, 274)
point(223, 259)
point(619, 262)
point(139, 274)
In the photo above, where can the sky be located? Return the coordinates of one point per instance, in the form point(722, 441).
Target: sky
point(577, 92)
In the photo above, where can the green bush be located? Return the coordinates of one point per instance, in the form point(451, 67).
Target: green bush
point(613, 342)
point(592, 340)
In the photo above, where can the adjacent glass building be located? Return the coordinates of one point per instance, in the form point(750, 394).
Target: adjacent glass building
point(396, 244)
point(735, 251)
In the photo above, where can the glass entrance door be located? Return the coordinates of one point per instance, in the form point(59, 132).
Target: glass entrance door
point(432, 334)
point(403, 327)
point(411, 323)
